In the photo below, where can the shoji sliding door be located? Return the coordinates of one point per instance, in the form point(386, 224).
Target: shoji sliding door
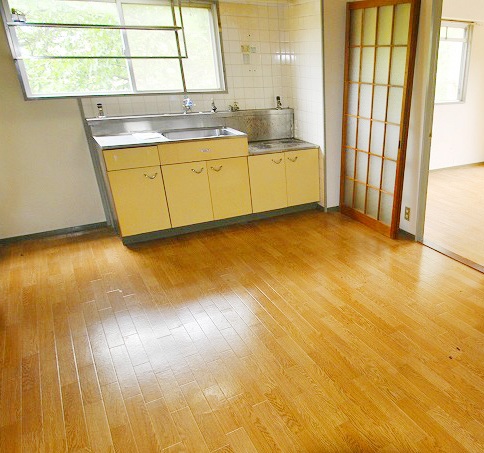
point(380, 56)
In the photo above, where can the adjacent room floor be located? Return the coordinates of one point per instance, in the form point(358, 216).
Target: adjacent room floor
point(303, 333)
point(455, 211)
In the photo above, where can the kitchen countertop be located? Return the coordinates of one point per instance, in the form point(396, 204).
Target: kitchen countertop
point(255, 148)
point(134, 139)
point(277, 146)
point(126, 141)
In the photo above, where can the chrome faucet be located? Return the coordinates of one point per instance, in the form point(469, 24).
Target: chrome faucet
point(187, 104)
point(100, 111)
point(235, 107)
point(278, 103)
point(214, 107)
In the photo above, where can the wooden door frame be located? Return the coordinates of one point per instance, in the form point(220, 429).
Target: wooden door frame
point(389, 230)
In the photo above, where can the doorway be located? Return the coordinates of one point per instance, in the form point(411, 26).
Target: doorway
point(453, 222)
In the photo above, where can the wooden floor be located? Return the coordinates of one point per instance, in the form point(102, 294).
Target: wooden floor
point(455, 211)
point(304, 333)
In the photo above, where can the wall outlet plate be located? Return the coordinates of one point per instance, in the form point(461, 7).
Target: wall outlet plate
point(407, 213)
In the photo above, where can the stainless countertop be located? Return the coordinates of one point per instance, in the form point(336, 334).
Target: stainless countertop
point(277, 146)
point(255, 148)
point(128, 140)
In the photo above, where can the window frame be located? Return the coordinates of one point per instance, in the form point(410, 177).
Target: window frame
point(465, 58)
point(216, 36)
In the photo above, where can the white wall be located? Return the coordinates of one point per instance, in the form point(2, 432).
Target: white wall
point(417, 115)
point(334, 16)
point(303, 42)
point(458, 135)
point(46, 176)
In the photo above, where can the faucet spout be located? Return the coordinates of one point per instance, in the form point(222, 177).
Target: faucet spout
point(235, 107)
point(187, 104)
point(278, 103)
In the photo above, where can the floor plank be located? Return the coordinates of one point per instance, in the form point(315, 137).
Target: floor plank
point(455, 211)
point(308, 332)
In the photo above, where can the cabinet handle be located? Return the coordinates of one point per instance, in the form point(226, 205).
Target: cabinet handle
point(293, 160)
point(277, 161)
point(197, 171)
point(217, 168)
point(205, 150)
point(150, 177)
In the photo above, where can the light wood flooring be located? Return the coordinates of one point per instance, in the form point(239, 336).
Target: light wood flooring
point(303, 333)
point(455, 211)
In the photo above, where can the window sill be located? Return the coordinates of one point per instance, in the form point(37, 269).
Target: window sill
point(449, 102)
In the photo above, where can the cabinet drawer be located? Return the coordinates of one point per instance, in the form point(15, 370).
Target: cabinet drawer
point(198, 150)
point(121, 159)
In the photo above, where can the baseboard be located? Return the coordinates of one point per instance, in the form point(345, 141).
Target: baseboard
point(475, 164)
point(58, 232)
point(454, 256)
point(172, 232)
point(402, 234)
point(324, 209)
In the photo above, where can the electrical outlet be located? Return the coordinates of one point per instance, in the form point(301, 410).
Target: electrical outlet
point(407, 213)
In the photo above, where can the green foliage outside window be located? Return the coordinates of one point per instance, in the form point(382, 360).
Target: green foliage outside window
point(73, 76)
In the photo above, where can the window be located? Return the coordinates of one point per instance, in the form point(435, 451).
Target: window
point(102, 47)
point(453, 61)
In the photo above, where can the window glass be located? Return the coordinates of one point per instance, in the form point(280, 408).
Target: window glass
point(452, 62)
point(86, 76)
point(201, 69)
point(138, 14)
point(157, 75)
point(66, 12)
point(62, 61)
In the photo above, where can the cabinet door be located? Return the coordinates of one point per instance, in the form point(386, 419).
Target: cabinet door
point(302, 174)
point(140, 201)
point(267, 182)
point(229, 187)
point(188, 193)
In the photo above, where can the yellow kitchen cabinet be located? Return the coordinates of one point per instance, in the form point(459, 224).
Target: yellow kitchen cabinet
point(188, 193)
point(302, 176)
point(267, 182)
point(139, 199)
point(229, 187)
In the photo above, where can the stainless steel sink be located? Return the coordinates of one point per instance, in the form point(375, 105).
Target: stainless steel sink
point(190, 134)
